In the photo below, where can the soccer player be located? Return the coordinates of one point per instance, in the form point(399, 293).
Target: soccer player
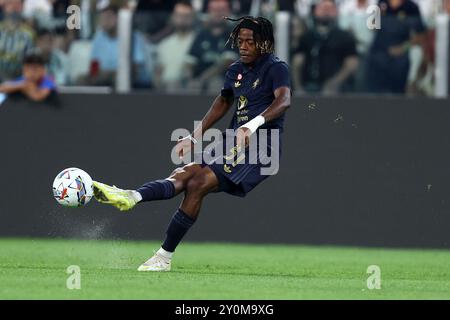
point(260, 83)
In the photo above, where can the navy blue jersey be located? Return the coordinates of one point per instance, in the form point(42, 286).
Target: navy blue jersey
point(253, 89)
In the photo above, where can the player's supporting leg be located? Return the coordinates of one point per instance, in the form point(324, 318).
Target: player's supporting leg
point(162, 189)
point(197, 187)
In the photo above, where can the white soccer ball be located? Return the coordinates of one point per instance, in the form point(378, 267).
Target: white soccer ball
point(73, 188)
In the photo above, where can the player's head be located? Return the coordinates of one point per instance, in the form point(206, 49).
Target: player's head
point(253, 37)
point(34, 67)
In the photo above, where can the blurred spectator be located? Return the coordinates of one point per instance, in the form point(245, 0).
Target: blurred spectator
point(104, 55)
point(152, 16)
point(16, 40)
point(59, 10)
point(303, 8)
point(326, 57)
point(389, 59)
point(56, 60)
point(353, 18)
point(238, 7)
point(39, 9)
point(424, 81)
point(31, 7)
point(60, 7)
point(34, 83)
point(428, 10)
point(286, 5)
point(297, 29)
point(208, 58)
point(172, 51)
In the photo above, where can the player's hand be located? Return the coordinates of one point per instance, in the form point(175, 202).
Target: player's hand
point(243, 137)
point(184, 146)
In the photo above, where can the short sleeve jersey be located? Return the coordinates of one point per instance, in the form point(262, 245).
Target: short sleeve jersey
point(253, 88)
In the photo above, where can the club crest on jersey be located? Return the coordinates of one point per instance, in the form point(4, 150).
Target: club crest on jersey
point(237, 84)
point(242, 102)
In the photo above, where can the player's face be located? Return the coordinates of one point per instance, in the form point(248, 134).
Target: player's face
point(247, 46)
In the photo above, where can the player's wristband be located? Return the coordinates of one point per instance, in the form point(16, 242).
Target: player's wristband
point(255, 123)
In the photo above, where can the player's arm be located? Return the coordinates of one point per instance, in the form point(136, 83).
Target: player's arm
point(218, 109)
point(279, 106)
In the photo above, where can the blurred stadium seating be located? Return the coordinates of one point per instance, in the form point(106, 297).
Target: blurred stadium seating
point(406, 43)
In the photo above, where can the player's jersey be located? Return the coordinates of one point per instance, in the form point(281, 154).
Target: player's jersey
point(253, 89)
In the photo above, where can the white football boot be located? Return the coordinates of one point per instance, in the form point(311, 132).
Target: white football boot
point(156, 263)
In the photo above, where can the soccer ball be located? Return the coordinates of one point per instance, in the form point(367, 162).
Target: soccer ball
point(73, 188)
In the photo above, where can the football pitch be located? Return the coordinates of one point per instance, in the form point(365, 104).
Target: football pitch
point(37, 269)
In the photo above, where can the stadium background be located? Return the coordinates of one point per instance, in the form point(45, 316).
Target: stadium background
point(361, 167)
point(358, 171)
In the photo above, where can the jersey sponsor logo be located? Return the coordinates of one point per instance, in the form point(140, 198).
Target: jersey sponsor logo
point(243, 101)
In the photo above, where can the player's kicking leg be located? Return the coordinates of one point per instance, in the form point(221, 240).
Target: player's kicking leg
point(196, 188)
point(125, 200)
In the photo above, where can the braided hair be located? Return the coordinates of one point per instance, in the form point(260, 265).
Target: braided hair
point(262, 33)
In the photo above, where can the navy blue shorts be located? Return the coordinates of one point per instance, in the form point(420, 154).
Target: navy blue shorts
point(236, 176)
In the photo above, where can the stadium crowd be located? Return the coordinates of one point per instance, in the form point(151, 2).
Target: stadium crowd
point(179, 45)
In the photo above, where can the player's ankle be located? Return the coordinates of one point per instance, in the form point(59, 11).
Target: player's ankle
point(166, 254)
point(136, 196)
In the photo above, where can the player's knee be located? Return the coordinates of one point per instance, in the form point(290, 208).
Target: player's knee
point(185, 172)
point(200, 184)
point(176, 171)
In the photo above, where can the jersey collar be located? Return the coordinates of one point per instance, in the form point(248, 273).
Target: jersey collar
point(257, 64)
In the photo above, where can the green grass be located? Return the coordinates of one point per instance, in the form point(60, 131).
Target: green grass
point(36, 269)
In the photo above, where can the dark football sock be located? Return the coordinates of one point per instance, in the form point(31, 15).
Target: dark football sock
point(157, 190)
point(176, 230)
